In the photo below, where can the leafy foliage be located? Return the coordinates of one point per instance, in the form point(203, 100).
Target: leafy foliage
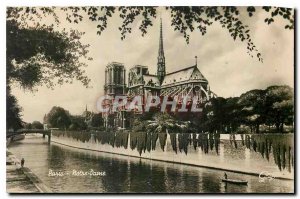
point(77, 123)
point(163, 123)
point(121, 139)
point(42, 56)
point(86, 121)
point(96, 120)
point(282, 148)
point(58, 118)
point(280, 106)
point(36, 54)
point(273, 106)
point(184, 19)
point(253, 108)
point(144, 141)
point(286, 13)
point(13, 111)
point(183, 142)
point(37, 125)
point(138, 141)
point(278, 146)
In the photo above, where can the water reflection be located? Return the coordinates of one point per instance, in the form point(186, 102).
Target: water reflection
point(143, 176)
point(128, 174)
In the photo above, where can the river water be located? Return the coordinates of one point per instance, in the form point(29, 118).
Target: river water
point(116, 173)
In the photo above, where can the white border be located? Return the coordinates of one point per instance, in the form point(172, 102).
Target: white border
point(3, 5)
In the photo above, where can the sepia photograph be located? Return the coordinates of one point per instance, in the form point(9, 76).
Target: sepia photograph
point(150, 99)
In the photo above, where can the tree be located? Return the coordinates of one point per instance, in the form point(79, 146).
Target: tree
point(13, 111)
point(163, 123)
point(96, 120)
point(42, 56)
point(280, 106)
point(232, 118)
point(215, 115)
point(37, 125)
point(28, 126)
point(255, 108)
point(253, 105)
point(58, 118)
point(39, 55)
point(78, 123)
point(111, 121)
point(184, 19)
point(140, 125)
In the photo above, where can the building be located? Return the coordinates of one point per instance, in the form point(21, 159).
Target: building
point(115, 75)
point(115, 85)
point(188, 81)
point(140, 82)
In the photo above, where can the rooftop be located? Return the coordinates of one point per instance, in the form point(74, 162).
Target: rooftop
point(182, 75)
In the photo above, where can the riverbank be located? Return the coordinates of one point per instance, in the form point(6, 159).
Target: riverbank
point(197, 158)
point(134, 174)
point(21, 180)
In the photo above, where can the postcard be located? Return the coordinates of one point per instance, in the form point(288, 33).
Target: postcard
point(137, 99)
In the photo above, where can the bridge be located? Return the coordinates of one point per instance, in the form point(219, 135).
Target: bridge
point(28, 131)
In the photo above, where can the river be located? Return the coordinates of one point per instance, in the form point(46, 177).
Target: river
point(128, 174)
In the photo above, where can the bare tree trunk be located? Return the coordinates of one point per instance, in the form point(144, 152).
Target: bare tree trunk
point(277, 127)
point(281, 127)
point(257, 128)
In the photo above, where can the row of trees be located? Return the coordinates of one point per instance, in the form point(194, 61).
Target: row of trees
point(255, 111)
point(60, 118)
point(34, 125)
point(258, 110)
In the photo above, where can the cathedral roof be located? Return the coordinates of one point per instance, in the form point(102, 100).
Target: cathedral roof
point(182, 75)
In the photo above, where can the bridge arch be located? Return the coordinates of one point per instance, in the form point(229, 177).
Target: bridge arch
point(29, 131)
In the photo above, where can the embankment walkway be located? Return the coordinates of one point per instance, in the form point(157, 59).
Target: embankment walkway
point(22, 180)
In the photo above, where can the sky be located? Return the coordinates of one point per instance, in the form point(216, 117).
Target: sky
point(223, 61)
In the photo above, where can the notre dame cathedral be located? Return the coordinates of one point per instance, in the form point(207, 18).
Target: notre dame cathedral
point(188, 81)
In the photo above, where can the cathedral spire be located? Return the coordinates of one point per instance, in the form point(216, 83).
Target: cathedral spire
point(161, 44)
point(161, 69)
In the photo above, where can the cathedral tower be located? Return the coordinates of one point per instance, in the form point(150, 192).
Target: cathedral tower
point(161, 66)
point(115, 79)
